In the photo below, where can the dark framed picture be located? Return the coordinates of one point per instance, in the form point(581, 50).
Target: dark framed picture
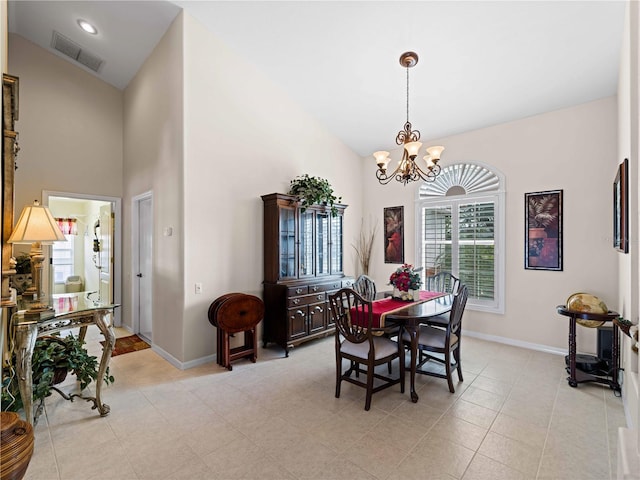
point(393, 235)
point(621, 208)
point(543, 230)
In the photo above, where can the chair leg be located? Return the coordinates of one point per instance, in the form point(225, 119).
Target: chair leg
point(367, 404)
point(456, 355)
point(402, 368)
point(447, 359)
point(338, 374)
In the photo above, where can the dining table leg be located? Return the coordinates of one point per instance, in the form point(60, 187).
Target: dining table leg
point(412, 330)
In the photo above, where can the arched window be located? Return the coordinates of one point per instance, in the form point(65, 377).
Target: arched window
point(461, 230)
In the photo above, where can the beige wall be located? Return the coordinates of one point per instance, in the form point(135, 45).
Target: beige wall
point(571, 149)
point(153, 152)
point(70, 127)
point(244, 138)
point(629, 264)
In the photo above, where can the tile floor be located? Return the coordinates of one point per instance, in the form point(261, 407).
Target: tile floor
point(514, 417)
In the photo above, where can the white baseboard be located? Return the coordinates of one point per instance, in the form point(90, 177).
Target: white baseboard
point(628, 458)
point(182, 365)
point(516, 343)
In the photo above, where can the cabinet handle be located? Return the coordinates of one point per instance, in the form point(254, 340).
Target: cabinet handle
point(296, 301)
point(300, 313)
point(320, 297)
point(315, 289)
point(319, 309)
point(298, 291)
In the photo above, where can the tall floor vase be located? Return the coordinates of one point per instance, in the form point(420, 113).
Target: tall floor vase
point(16, 446)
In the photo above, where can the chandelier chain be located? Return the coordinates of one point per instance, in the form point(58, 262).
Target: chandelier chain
point(407, 94)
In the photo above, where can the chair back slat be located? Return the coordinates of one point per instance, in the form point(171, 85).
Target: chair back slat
point(366, 287)
point(457, 309)
point(442, 282)
point(352, 314)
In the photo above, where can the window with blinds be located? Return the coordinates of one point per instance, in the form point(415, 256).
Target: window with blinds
point(461, 232)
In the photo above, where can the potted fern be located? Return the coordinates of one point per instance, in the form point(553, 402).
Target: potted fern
point(53, 357)
point(314, 191)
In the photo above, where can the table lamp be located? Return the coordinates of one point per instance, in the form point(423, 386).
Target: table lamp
point(36, 226)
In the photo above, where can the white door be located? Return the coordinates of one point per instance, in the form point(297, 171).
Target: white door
point(143, 210)
point(105, 236)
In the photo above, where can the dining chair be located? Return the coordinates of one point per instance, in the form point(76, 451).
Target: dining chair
point(355, 341)
point(442, 282)
point(442, 341)
point(366, 287)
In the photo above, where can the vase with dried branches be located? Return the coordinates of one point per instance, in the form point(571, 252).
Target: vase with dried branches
point(364, 245)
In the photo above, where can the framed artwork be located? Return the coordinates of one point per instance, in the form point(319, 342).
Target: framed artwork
point(543, 230)
point(393, 235)
point(621, 208)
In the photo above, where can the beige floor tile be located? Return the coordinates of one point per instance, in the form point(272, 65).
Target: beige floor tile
point(459, 431)
point(520, 430)
point(516, 455)
point(434, 457)
point(492, 385)
point(484, 398)
point(485, 468)
point(279, 419)
point(472, 413)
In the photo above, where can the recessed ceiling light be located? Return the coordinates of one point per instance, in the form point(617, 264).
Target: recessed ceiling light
point(87, 27)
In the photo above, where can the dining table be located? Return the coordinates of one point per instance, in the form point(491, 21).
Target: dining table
point(409, 317)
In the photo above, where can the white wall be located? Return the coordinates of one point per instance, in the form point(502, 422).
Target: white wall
point(573, 149)
point(244, 137)
point(70, 127)
point(153, 152)
point(629, 264)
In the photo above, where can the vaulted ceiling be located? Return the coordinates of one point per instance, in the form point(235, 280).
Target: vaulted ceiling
point(481, 62)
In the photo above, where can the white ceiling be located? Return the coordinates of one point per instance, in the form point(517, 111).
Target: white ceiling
point(481, 63)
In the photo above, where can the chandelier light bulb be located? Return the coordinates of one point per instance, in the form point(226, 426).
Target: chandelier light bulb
point(412, 148)
point(382, 159)
point(435, 152)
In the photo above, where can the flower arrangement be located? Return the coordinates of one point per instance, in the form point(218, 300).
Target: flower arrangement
point(406, 278)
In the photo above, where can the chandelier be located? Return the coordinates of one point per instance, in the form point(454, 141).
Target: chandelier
point(408, 170)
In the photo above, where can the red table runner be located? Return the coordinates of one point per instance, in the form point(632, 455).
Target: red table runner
point(381, 308)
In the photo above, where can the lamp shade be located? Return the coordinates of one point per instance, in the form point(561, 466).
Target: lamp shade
point(36, 224)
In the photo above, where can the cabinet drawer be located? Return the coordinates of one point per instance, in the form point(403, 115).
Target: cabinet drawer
point(305, 300)
point(295, 291)
point(324, 287)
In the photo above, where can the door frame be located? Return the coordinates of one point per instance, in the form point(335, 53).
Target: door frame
point(135, 257)
point(117, 241)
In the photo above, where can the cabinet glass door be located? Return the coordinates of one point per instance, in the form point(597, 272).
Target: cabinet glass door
point(336, 244)
point(322, 238)
point(305, 268)
point(287, 243)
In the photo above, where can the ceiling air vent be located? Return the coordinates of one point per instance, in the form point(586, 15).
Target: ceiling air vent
point(76, 52)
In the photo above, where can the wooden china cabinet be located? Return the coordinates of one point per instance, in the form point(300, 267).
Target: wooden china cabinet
point(303, 265)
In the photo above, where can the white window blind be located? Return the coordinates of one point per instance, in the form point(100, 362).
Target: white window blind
point(461, 218)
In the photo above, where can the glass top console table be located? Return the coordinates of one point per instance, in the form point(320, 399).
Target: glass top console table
point(71, 311)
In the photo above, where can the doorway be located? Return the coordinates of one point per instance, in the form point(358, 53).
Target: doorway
point(142, 220)
point(90, 260)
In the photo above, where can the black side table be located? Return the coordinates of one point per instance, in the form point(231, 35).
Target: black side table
point(577, 376)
